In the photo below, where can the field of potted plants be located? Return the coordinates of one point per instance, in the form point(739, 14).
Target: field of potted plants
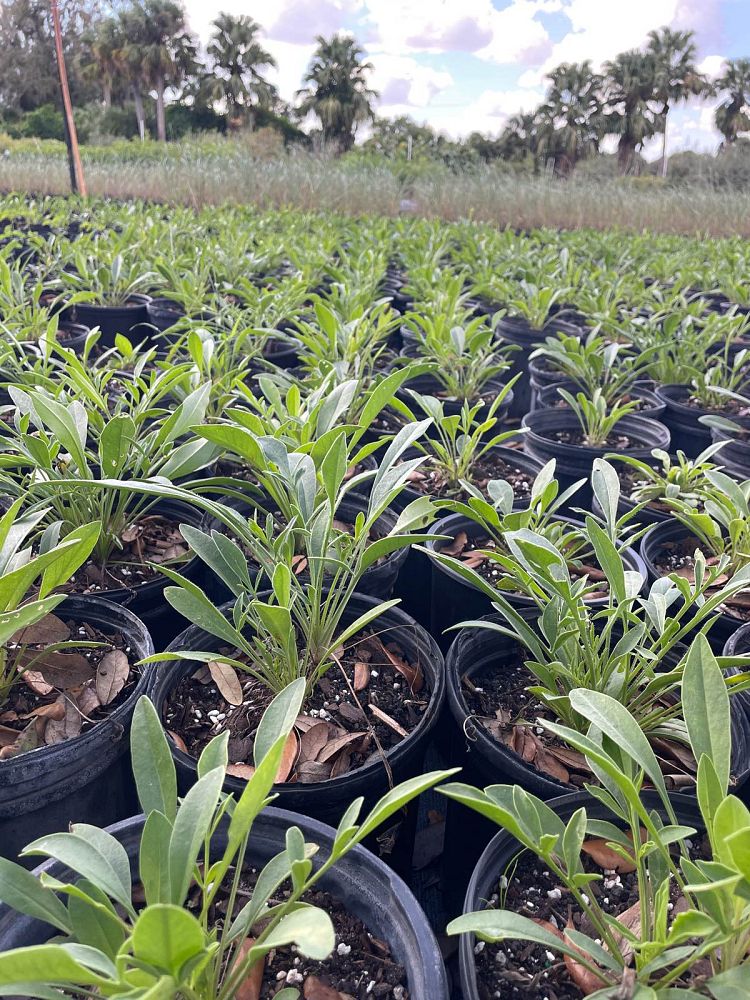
point(375, 609)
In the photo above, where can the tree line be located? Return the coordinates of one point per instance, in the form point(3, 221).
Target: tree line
point(140, 57)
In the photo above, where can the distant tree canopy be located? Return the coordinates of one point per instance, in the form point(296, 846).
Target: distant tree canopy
point(134, 67)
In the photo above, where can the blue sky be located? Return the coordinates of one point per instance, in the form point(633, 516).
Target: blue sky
point(469, 64)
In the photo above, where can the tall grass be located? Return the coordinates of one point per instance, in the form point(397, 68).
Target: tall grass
point(314, 183)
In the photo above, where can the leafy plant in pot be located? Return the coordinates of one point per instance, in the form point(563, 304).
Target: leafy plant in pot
point(201, 923)
point(109, 293)
point(61, 447)
point(628, 646)
point(717, 534)
point(374, 678)
point(68, 684)
point(685, 932)
point(479, 529)
point(664, 480)
point(588, 430)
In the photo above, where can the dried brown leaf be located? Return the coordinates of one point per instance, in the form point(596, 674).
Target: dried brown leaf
point(335, 746)
point(361, 675)
point(61, 670)
point(60, 730)
point(412, 675)
point(299, 564)
point(311, 771)
point(226, 680)
point(457, 546)
point(387, 720)
point(87, 699)
point(245, 771)
point(315, 989)
point(251, 985)
point(46, 631)
point(111, 675)
point(54, 711)
point(288, 757)
point(37, 683)
point(313, 740)
point(178, 741)
point(586, 981)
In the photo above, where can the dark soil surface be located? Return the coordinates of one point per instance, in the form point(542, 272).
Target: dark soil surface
point(521, 969)
point(630, 481)
point(430, 479)
point(360, 966)
point(63, 693)
point(678, 557)
point(498, 699)
point(358, 712)
point(151, 539)
point(620, 442)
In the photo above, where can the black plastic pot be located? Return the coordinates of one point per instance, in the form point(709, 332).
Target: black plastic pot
point(431, 386)
point(683, 421)
point(130, 320)
point(526, 339)
point(366, 886)
point(414, 584)
point(86, 779)
point(72, 335)
point(377, 581)
point(327, 800)
point(652, 544)
point(734, 457)
point(164, 313)
point(146, 600)
point(549, 398)
point(503, 848)
point(281, 351)
point(574, 461)
point(454, 600)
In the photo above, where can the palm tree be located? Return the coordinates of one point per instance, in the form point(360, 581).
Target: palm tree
point(570, 122)
point(629, 91)
point(164, 48)
point(732, 116)
point(337, 91)
point(102, 65)
point(238, 59)
point(520, 137)
point(676, 74)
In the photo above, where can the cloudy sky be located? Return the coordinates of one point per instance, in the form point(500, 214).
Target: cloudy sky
point(462, 65)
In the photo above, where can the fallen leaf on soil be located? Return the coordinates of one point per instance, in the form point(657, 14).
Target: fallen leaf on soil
point(311, 771)
point(87, 699)
point(245, 771)
point(42, 633)
point(361, 676)
point(314, 989)
point(305, 722)
point(54, 711)
point(586, 981)
point(299, 564)
point(675, 752)
point(251, 985)
point(603, 855)
point(288, 757)
point(28, 739)
point(412, 675)
point(37, 683)
point(385, 718)
point(473, 560)
point(61, 670)
point(130, 533)
point(312, 741)
point(59, 730)
point(550, 765)
point(630, 920)
point(178, 741)
point(111, 675)
point(8, 736)
point(456, 547)
point(337, 744)
point(226, 680)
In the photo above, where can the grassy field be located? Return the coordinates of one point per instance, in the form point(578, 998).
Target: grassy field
point(217, 173)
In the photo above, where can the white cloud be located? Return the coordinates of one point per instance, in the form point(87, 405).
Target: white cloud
point(488, 113)
point(404, 83)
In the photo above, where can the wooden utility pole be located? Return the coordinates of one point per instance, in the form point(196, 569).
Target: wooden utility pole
point(78, 181)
